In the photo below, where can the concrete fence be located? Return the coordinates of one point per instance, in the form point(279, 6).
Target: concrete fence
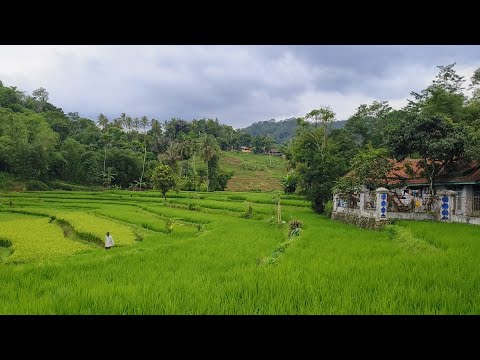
point(373, 210)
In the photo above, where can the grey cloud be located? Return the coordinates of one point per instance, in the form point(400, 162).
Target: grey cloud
point(238, 84)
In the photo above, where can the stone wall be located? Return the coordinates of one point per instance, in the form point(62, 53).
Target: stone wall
point(466, 219)
point(358, 220)
point(412, 216)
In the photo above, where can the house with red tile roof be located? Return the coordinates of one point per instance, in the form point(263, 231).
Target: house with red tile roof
point(463, 179)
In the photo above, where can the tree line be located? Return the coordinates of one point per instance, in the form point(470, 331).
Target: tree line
point(41, 144)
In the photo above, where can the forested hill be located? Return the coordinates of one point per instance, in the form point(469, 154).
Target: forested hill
point(281, 131)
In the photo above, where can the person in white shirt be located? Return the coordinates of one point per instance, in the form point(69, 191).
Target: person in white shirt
point(109, 241)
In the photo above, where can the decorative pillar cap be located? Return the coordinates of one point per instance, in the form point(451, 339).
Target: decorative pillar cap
point(381, 190)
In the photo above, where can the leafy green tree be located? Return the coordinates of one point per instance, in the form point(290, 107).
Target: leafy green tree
point(27, 144)
point(163, 179)
point(369, 122)
point(289, 183)
point(317, 169)
point(325, 116)
point(40, 96)
point(126, 164)
point(262, 143)
point(371, 167)
point(439, 142)
point(447, 79)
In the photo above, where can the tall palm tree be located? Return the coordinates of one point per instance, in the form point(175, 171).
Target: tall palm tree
point(185, 150)
point(144, 122)
point(102, 121)
point(123, 119)
point(143, 166)
point(171, 156)
point(156, 127)
point(208, 149)
point(136, 124)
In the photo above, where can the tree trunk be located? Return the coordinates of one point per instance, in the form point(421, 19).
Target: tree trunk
point(317, 204)
point(193, 161)
point(432, 179)
point(208, 180)
point(324, 136)
point(279, 213)
point(105, 159)
point(143, 168)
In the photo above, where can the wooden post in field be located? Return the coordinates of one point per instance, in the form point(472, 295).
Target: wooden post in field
point(276, 199)
point(279, 212)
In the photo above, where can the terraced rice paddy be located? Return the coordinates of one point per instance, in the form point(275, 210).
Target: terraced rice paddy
point(198, 253)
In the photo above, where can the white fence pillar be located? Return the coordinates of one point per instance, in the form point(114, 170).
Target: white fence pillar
point(446, 203)
point(381, 203)
point(361, 202)
point(335, 200)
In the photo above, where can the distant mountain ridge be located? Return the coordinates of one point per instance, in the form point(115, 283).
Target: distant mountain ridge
point(281, 131)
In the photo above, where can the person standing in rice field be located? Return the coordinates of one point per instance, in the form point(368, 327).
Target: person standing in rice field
point(109, 241)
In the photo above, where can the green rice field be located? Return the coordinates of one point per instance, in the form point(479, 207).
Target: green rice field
point(201, 253)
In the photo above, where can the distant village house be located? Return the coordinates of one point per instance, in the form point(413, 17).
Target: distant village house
point(275, 152)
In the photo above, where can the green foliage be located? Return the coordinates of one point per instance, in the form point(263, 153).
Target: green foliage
point(280, 131)
point(318, 168)
point(370, 167)
point(192, 207)
point(9, 182)
point(368, 124)
point(290, 183)
point(163, 179)
point(36, 185)
point(248, 213)
point(329, 208)
point(439, 142)
point(5, 242)
point(294, 224)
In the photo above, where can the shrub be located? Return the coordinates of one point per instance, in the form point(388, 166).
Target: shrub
point(5, 242)
point(294, 226)
point(7, 181)
point(248, 213)
point(192, 206)
point(186, 184)
point(169, 225)
point(329, 208)
point(220, 180)
point(289, 184)
point(36, 185)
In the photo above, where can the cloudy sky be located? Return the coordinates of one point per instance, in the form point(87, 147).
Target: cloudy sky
point(239, 85)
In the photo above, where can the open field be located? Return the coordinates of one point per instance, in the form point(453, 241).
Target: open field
point(253, 172)
point(197, 254)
